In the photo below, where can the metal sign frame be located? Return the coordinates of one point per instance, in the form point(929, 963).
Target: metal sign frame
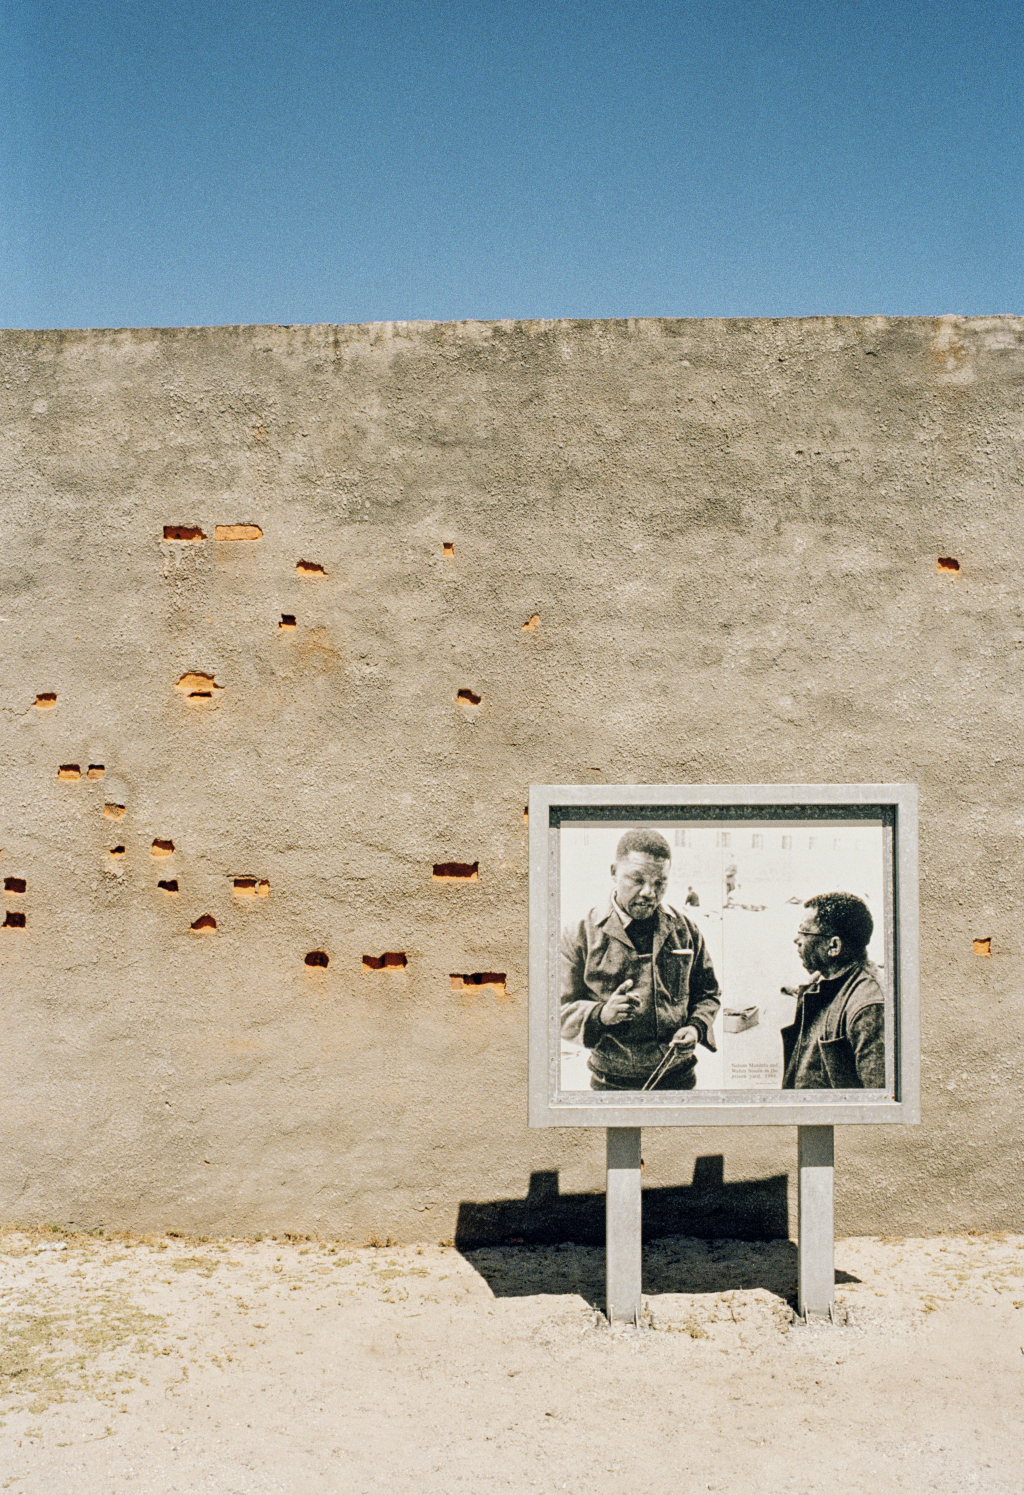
point(553, 805)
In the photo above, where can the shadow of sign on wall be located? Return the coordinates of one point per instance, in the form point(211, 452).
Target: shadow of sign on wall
point(708, 1208)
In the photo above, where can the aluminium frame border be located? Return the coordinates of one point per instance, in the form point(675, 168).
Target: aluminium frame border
point(547, 1107)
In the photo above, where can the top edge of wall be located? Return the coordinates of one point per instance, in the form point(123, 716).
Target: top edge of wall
point(535, 326)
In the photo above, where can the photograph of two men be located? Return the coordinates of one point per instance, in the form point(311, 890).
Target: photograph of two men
point(733, 955)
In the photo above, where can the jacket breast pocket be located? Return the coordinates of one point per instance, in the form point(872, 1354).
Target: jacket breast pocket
point(676, 963)
point(609, 967)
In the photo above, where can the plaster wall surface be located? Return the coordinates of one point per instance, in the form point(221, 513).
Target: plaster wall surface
point(725, 537)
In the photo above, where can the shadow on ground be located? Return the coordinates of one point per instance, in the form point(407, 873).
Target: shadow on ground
point(676, 1264)
point(704, 1237)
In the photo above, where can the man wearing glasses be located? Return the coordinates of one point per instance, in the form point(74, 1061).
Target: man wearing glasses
point(837, 1041)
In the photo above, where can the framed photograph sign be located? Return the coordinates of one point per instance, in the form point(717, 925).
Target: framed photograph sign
point(723, 954)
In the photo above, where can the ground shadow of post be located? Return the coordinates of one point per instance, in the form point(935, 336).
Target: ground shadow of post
point(735, 1236)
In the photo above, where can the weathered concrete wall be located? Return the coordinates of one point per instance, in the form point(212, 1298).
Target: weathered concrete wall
point(728, 532)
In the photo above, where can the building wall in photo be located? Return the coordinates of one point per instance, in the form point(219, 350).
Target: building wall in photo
point(293, 616)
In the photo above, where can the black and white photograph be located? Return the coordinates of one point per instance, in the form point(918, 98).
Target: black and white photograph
point(728, 954)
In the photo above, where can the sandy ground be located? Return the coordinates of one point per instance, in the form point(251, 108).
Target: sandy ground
point(173, 1365)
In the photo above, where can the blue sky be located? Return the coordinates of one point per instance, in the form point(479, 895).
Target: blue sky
point(175, 163)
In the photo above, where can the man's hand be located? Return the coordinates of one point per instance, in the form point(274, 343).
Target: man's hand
point(684, 1038)
point(620, 1006)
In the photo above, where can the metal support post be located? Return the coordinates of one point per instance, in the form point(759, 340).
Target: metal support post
point(622, 1225)
point(816, 1227)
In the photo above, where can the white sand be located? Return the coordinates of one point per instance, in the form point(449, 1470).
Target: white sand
point(167, 1366)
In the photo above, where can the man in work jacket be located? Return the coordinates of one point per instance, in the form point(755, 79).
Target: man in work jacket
point(636, 979)
point(837, 1041)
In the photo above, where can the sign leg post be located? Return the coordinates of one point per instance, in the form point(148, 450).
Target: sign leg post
point(816, 1222)
point(622, 1226)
